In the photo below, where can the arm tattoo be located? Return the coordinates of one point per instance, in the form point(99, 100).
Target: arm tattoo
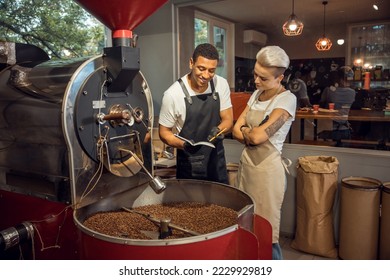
point(271, 130)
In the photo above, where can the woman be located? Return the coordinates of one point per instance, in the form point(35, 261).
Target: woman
point(263, 127)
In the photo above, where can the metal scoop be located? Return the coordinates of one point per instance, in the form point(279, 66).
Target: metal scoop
point(156, 183)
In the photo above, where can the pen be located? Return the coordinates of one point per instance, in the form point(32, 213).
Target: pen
point(216, 135)
point(265, 120)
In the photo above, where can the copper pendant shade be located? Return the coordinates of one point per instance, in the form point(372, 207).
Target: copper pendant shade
point(324, 43)
point(293, 26)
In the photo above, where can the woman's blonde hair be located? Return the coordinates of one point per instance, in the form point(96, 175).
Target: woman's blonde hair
point(273, 56)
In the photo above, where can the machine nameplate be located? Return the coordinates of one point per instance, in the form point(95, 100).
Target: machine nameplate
point(98, 104)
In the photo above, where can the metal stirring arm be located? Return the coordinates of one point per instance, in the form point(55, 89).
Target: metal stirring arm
point(159, 222)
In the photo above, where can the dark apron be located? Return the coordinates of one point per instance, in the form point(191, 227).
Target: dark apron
point(203, 163)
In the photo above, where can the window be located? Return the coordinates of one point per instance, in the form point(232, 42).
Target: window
point(369, 45)
point(63, 29)
point(364, 123)
point(220, 33)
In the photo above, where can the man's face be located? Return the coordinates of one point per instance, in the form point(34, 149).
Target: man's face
point(202, 71)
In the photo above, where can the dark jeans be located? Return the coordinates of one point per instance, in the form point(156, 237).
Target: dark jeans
point(276, 252)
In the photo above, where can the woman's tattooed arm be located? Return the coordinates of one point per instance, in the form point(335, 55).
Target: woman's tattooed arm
point(275, 126)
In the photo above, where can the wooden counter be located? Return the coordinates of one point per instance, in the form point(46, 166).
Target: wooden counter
point(354, 115)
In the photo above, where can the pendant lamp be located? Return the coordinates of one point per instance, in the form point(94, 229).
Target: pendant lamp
point(324, 44)
point(293, 26)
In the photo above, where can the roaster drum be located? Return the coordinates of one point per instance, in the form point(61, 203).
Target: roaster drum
point(223, 244)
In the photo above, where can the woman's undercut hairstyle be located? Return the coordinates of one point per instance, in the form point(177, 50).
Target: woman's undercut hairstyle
point(273, 56)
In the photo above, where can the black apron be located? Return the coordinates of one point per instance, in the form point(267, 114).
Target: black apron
point(203, 163)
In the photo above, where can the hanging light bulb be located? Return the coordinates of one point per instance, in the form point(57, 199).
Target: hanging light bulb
point(324, 44)
point(293, 26)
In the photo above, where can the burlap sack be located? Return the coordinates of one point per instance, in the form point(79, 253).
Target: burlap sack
point(317, 178)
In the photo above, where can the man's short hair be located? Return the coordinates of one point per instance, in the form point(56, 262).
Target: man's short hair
point(205, 50)
point(343, 73)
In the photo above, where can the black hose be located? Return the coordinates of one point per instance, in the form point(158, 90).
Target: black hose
point(2, 243)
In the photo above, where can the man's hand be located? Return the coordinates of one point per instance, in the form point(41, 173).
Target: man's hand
point(215, 135)
point(189, 148)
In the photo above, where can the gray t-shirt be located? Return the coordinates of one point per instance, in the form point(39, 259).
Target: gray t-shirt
point(299, 88)
point(342, 97)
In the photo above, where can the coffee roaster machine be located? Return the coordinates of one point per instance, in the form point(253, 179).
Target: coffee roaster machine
point(75, 140)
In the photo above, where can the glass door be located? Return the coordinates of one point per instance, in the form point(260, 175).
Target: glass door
point(220, 44)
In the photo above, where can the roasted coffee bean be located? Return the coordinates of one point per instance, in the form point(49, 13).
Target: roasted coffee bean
point(199, 217)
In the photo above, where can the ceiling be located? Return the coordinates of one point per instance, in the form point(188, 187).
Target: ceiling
point(269, 15)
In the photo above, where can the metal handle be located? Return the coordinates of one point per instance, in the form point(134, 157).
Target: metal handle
point(138, 160)
point(147, 216)
point(156, 183)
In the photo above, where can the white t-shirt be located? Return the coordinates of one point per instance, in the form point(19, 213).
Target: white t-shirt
point(285, 100)
point(173, 107)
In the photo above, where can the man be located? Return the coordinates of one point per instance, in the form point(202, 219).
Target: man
point(198, 108)
point(339, 93)
point(298, 87)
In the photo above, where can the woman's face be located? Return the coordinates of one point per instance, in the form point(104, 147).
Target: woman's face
point(265, 78)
